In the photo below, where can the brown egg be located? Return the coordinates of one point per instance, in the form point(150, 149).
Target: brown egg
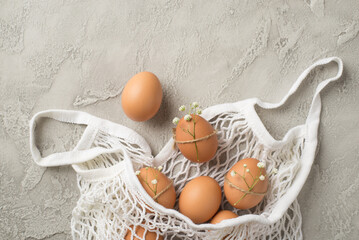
point(222, 215)
point(200, 151)
point(142, 96)
point(246, 181)
point(140, 231)
point(200, 199)
point(156, 183)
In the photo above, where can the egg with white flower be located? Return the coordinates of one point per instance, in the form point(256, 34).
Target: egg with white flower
point(195, 138)
point(246, 183)
point(157, 185)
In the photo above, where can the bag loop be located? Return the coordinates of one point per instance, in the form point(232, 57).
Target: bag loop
point(316, 102)
point(83, 151)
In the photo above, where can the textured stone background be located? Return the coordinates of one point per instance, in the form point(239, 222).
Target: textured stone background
point(77, 54)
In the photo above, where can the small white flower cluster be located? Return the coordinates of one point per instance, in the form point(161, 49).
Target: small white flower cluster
point(261, 177)
point(233, 173)
point(194, 110)
point(187, 117)
point(154, 181)
point(261, 165)
point(275, 171)
point(175, 121)
point(182, 108)
point(138, 172)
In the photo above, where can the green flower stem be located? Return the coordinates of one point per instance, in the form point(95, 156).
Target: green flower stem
point(148, 185)
point(240, 199)
point(192, 110)
point(194, 136)
point(190, 133)
point(156, 175)
point(251, 175)
point(254, 184)
point(244, 180)
point(255, 181)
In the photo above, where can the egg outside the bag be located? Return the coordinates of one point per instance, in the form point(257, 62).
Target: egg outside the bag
point(168, 197)
point(248, 200)
point(206, 148)
point(200, 199)
point(223, 215)
point(142, 96)
point(140, 232)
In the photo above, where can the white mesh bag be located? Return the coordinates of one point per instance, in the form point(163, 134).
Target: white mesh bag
point(112, 199)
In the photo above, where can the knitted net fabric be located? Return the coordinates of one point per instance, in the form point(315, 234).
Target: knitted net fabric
point(109, 208)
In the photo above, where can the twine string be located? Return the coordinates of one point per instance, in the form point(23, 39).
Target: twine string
point(242, 190)
point(195, 140)
point(163, 191)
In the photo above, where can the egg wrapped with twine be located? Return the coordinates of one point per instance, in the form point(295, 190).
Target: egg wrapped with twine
point(157, 185)
point(194, 136)
point(246, 183)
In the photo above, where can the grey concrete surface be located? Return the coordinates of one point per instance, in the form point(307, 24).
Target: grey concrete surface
point(77, 54)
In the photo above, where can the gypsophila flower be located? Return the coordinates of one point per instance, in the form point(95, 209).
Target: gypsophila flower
point(247, 170)
point(275, 171)
point(154, 181)
point(261, 177)
point(187, 117)
point(175, 120)
point(160, 168)
point(199, 111)
point(233, 173)
point(146, 168)
point(182, 108)
point(195, 104)
point(137, 173)
point(245, 165)
point(260, 165)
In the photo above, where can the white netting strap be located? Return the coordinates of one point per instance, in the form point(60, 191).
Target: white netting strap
point(302, 77)
point(83, 152)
